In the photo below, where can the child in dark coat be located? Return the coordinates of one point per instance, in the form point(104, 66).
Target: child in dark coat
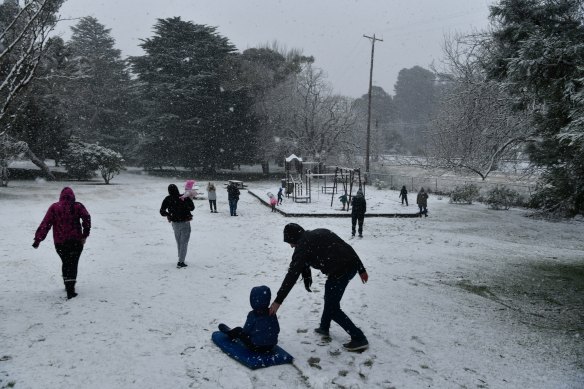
point(280, 198)
point(260, 331)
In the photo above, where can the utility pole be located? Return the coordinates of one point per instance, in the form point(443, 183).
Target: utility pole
point(373, 39)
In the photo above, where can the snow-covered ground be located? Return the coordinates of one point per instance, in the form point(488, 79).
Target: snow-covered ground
point(466, 298)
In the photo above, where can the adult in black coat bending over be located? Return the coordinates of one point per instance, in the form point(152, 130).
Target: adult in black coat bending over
point(324, 250)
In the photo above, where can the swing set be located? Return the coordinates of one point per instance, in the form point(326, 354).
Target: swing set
point(298, 183)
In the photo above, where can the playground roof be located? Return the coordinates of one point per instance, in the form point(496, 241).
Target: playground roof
point(293, 157)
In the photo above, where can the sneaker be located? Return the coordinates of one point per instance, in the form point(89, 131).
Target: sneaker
point(322, 332)
point(356, 345)
point(360, 235)
point(181, 264)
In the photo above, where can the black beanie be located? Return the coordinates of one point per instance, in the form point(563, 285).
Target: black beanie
point(292, 233)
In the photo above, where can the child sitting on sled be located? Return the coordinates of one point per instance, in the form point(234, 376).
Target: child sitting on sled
point(260, 331)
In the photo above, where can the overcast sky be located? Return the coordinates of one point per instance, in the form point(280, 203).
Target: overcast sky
point(330, 30)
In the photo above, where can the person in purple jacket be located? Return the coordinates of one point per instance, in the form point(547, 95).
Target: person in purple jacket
point(71, 224)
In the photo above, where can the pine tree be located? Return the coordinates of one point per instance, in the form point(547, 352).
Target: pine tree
point(538, 51)
point(99, 87)
point(195, 112)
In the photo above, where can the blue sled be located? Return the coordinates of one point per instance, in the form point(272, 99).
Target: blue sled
point(254, 360)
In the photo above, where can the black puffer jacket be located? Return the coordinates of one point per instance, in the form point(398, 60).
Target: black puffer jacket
point(359, 205)
point(321, 249)
point(232, 192)
point(175, 208)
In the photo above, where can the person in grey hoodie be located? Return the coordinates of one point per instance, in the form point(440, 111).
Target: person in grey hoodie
point(177, 210)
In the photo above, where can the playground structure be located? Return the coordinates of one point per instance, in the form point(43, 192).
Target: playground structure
point(298, 182)
point(346, 177)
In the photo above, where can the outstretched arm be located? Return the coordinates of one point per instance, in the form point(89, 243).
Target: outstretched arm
point(274, 308)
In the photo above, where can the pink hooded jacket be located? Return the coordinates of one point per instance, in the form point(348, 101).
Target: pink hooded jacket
point(69, 220)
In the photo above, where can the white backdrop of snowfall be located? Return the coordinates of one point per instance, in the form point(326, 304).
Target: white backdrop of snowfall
point(139, 322)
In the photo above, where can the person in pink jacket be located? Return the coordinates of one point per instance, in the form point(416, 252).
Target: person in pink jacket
point(71, 224)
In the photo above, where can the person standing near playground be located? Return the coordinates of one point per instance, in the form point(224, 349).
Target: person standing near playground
point(273, 201)
point(212, 196)
point(71, 224)
point(358, 209)
point(280, 197)
point(233, 198)
point(324, 250)
point(344, 200)
point(403, 193)
point(422, 201)
point(178, 212)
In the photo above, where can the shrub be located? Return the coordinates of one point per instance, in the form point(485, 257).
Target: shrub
point(501, 197)
point(464, 194)
point(83, 159)
point(379, 184)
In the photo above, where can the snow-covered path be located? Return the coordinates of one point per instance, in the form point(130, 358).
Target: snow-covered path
point(439, 309)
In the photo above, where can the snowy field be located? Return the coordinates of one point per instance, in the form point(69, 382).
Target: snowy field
point(466, 298)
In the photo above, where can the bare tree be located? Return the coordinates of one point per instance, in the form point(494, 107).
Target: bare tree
point(318, 123)
point(475, 127)
point(24, 32)
point(22, 44)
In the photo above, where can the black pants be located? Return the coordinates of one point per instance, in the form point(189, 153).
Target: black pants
point(354, 219)
point(69, 252)
point(237, 333)
point(213, 205)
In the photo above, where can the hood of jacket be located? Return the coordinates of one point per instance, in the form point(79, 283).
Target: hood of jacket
point(292, 233)
point(173, 190)
point(67, 195)
point(260, 297)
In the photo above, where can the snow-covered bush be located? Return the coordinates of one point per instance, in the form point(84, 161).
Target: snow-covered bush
point(464, 194)
point(379, 184)
point(83, 159)
point(9, 150)
point(501, 197)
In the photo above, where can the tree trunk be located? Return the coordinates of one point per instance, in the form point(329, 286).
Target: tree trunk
point(266, 167)
point(41, 164)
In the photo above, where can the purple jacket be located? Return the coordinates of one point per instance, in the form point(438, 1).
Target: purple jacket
point(69, 220)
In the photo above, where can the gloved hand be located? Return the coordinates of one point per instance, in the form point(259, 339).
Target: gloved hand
point(364, 277)
point(36, 244)
point(307, 283)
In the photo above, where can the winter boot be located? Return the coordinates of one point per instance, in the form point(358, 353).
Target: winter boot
point(70, 288)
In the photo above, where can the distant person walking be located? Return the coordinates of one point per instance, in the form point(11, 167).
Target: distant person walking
point(422, 201)
point(177, 210)
point(212, 196)
point(358, 209)
point(273, 201)
point(233, 198)
point(71, 224)
point(280, 197)
point(403, 193)
point(324, 250)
